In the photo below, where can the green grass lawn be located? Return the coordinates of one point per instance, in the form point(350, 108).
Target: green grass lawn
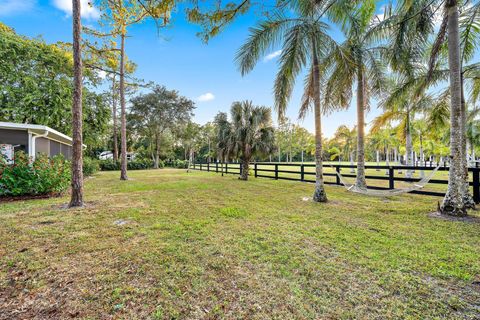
point(202, 246)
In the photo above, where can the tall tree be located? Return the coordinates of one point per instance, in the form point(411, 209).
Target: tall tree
point(76, 199)
point(453, 203)
point(152, 114)
point(304, 40)
point(121, 15)
point(250, 134)
point(413, 22)
point(357, 61)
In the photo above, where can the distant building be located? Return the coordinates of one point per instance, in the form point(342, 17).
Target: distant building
point(33, 139)
point(106, 155)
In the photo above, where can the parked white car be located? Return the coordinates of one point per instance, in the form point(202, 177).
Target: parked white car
point(106, 155)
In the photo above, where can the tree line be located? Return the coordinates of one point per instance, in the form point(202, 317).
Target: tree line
point(415, 60)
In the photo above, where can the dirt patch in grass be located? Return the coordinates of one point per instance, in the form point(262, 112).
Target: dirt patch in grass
point(5, 199)
point(466, 219)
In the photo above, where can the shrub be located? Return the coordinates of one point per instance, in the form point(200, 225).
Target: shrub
point(90, 166)
point(180, 164)
point(42, 176)
point(110, 165)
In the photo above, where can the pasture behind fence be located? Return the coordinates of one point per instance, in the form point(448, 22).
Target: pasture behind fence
point(392, 176)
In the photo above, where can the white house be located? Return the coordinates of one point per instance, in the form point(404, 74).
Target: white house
point(33, 139)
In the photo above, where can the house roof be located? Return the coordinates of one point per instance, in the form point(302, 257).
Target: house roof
point(38, 130)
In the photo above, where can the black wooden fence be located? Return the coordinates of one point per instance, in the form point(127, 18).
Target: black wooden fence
point(271, 170)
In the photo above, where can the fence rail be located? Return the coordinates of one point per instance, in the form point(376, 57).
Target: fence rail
point(274, 170)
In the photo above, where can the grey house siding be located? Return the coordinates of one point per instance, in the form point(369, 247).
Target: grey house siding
point(20, 139)
point(15, 137)
point(66, 151)
point(52, 148)
point(42, 145)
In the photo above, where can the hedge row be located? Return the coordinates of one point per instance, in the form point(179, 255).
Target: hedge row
point(40, 177)
point(110, 165)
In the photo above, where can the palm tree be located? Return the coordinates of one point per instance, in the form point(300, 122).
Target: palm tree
point(356, 62)
point(251, 134)
point(77, 157)
point(224, 135)
point(401, 105)
point(304, 40)
point(347, 138)
point(457, 38)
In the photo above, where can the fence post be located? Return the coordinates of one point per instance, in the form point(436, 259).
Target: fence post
point(276, 171)
point(226, 167)
point(337, 169)
point(200, 166)
point(476, 184)
point(391, 178)
point(241, 169)
point(255, 168)
point(302, 172)
point(194, 166)
point(208, 166)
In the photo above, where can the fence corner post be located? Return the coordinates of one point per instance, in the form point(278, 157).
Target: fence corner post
point(391, 178)
point(476, 184)
point(337, 169)
point(302, 172)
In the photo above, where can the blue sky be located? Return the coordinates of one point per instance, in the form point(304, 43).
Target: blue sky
point(178, 59)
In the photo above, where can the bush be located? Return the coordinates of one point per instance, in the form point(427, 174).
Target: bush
point(180, 164)
point(110, 165)
point(90, 166)
point(43, 176)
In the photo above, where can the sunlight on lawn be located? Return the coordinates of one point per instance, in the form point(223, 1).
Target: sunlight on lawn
point(200, 245)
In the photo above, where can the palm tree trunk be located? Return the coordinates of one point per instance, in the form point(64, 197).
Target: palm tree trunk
point(245, 168)
point(123, 132)
point(156, 160)
point(360, 182)
point(352, 169)
point(387, 160)
point(422, 158)
point(453, 203)
point(190, 159)
point(320, 194)
point(467, 197)
point(408, 146)
point(114, 117)
point(76, 199)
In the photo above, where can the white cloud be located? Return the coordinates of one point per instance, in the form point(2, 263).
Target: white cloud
point(87, 11)
point(102, 74)
point(11, 7)
point(272, 55)
point(206, 97)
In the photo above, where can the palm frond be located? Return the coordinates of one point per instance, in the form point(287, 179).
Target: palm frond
point(293, 58)
point(265, 36)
